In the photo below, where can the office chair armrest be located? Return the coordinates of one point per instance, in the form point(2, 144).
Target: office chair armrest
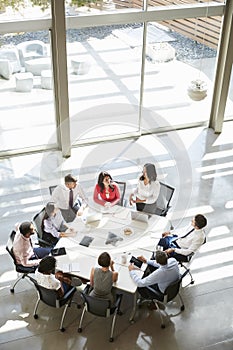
point(44, 243)
point(68, 295)
point(118, 300)
point(87, 289)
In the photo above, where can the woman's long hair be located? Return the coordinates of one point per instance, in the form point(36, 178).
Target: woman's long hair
point(151, 172)
point(50, 207)
point(101, 177)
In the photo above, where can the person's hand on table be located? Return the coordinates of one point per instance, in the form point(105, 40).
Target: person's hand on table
point(62, 234)
point(107, 205)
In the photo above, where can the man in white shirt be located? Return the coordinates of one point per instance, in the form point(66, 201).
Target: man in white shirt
point(69, 198)
point(187, 240)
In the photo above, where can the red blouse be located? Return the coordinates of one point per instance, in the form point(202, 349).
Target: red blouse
point(101, 197)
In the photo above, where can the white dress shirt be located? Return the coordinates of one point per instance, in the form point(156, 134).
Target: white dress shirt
point(61, 194)
point(191, 243)
point(149, 192)
point(47, 281)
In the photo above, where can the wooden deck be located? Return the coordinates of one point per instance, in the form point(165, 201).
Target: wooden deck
point(205, 30)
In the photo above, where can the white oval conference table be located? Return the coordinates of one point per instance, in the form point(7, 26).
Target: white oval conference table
point(103, 230)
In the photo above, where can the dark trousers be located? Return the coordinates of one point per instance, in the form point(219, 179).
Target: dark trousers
point(147, 208)
point(69, 214)
point(41, 252)
point(50, 239)
point(168, 242)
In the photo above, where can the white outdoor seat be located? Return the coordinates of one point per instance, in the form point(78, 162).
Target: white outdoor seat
point(46, 79)
point(79, 66)
point(24, 82)
point(31, 49)
point(5, 69)
point(37, 65)
point(11, 54)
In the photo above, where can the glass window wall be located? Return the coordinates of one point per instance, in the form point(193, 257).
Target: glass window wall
point(27, 115)
point(104, 82)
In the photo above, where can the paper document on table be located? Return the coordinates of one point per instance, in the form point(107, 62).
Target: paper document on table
point(121, 214)
point(70, 267)
point(155, 234)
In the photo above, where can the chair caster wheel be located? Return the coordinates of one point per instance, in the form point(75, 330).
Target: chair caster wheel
point(12, 290)
point(79, 330)
point(62, 329)
point(35, 317)
point(182, 308)
point(162, 326)
point(192, 282)
point(111, 340)
point(120, 313)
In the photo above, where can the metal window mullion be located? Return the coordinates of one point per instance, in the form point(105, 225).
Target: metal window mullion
point(60, 74)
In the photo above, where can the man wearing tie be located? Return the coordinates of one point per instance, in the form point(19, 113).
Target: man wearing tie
point(69, 198)
point(187, 240)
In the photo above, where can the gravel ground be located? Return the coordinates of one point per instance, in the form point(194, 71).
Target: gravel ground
point(187, 50)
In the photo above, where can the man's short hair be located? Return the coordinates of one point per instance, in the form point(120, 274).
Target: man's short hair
point(70, 178)
point(104, 259)
point(161, 257)
point(25, 227)
point(200, 221)
point(47, 264)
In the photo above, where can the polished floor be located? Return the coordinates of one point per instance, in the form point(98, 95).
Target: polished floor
point(199, 164)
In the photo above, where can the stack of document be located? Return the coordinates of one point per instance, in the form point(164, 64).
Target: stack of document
point(70, 267)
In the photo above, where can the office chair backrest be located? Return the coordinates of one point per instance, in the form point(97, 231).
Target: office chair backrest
point(97, 306)
point(51, 189)
point(9, 245)
point(48, 296)
point(37, 221)
point(122, 187)
point(164, 199)
point(173, 289)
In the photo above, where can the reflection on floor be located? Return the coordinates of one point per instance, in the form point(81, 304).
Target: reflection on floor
point(198, 164)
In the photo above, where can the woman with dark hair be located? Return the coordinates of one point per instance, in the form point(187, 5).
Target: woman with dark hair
point(48, 277)
point(102, 278)
point(53, 224)
point(147, 191)
point(106, 191)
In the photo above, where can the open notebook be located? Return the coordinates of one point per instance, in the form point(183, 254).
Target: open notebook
point(70, 267)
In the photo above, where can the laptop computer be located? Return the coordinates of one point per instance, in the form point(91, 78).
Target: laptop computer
point(139, 216)
point(93, 218)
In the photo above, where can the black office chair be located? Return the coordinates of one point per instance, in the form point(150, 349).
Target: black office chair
point(100, 307)
point(169, 294)
point(122, 186)
point(23, 271)
point(37, 222)
point(51, 189)
point(50, 298)
point(164, 199)
point(184, 262)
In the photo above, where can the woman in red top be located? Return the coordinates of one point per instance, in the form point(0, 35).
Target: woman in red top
point(106, 191)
